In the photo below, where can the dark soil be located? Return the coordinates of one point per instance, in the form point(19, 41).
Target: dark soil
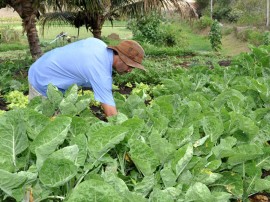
point(124, 90)
point(98, 112)
point(224, 63)
point(3, 104)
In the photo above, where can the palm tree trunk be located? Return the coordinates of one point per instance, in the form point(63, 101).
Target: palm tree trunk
point(32, 36)
point(28, 14)
point(96, 27)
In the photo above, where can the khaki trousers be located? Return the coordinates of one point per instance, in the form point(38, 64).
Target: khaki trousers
point(33, 92)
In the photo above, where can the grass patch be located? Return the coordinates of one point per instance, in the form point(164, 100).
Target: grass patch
point(232, 46)
point(51, 32)
point(13, 46)
point(197, 42)
point(15, 54)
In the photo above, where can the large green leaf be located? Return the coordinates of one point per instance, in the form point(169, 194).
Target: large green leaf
point(180, 136)
point(31, 179)
point(36, 122)
point(78, 126)
point(263, 161)
point(71, 94)
point(81, 141)
point(234, 99)
point(201, 99)
point(182, 158)
point(56, 172)
point(165, 104)
point(69, 152)
point(121, 187)
point(54, 95)
point(206, 177)
point(59, 126)
point(67, 108)
point(112, 179)
point(199, 192)
point(245, 124)
point(161, 146)
point(145, 186)
point(59, 167)
point(232, 182)
point(82, 103)
point(262, 185)
point(161, 195)
point(13, 138)
point(71, 104)
point(95, 190)
point(244, 153)
point(143, 156)
point(104, 139)
point(50, 138)
point(213, 127)
point(168, 176)
point(135, 126)
point(10, 181)
point(225, 147)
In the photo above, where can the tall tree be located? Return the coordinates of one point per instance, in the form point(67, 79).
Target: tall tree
point(92, 14)
point(28, 10)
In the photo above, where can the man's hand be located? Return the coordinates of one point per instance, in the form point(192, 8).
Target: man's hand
point(109, 110)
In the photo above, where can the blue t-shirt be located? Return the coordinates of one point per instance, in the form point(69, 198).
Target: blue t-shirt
point(87, 63)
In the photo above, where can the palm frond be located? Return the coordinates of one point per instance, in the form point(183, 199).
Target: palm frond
point(57, 19)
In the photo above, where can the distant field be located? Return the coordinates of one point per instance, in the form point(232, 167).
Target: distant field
point(10, 19)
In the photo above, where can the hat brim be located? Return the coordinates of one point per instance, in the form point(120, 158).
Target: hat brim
point(127, 60)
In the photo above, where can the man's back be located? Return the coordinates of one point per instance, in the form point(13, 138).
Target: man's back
point(86, 63)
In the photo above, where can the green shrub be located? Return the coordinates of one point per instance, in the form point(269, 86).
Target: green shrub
point(146, 28)
point(154, 30)
point(203, 22)
point(13, 75)
point(215, 36)
point(171, 35)
point(255, 37)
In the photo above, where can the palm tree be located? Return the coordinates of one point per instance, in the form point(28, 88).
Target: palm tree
point(92, 14)
point(28, 10)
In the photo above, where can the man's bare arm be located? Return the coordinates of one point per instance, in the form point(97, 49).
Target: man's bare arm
point(109, 110)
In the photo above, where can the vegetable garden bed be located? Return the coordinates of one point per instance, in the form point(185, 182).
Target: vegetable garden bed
point(189, 134)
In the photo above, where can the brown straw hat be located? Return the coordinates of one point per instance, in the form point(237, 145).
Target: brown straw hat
point(130, 52)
